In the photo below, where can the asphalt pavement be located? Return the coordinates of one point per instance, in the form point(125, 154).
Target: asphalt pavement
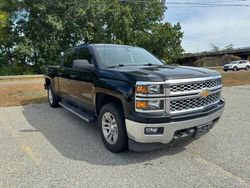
point(45, 147)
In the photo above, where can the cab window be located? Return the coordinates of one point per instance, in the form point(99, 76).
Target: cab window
point(84, 53)
point(69, 56)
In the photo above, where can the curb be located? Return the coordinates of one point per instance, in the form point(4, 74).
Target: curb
point(21, 77)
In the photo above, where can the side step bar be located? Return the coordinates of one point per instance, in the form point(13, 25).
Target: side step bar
point(89, 118)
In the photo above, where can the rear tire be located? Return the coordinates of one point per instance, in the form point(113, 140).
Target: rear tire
point(112, 128)
point(53, 99)
point(247, 68)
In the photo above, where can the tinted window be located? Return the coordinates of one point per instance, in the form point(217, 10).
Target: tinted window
point(84, 53)
point(70, 55)
point(123, 55)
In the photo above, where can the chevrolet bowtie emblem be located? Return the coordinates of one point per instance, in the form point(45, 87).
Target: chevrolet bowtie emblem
point(204, 93)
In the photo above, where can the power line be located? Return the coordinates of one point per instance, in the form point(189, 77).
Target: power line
point(215, 3)
point(198, 6)
point(167, 2)
point(207, 4)
point(222, 1)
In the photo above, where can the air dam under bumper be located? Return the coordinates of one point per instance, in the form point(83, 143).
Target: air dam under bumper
point(136, 131)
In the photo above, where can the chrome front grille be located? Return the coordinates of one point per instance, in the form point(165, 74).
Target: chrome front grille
point(181, 105)
point(195, 86)
point(185, 95)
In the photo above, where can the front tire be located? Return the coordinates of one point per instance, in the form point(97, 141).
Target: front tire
point(235, 69)
point(112, 127)
point(52, 98)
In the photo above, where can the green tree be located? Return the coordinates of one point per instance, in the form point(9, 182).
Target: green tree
point(164, 40)
point(8, 36)
point(40, 30)
point(3, 23)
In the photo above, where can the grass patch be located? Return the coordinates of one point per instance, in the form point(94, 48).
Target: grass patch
point(235, 78)
point(232, 78)
point(38, 79)
point(15, 94)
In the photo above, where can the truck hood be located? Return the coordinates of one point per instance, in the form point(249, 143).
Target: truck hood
point(157, 73)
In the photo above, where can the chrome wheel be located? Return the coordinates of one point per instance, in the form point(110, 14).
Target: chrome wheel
point(50, 96)
point(109, 128)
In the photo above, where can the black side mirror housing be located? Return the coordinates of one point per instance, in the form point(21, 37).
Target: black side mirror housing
point(82, 64)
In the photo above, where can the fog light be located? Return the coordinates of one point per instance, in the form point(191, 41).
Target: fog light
point(154, 130)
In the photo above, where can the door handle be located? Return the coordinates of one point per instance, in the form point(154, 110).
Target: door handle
point(72, 76)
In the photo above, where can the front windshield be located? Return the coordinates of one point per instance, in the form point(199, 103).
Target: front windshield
point(112, 56)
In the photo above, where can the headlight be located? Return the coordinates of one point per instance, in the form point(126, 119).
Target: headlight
point(149, 89)
point(149, 105)
point(149, 97)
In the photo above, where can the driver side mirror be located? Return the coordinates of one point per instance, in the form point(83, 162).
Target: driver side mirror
point(82, 64)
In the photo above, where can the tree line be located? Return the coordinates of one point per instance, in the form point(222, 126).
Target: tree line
point(33, 33)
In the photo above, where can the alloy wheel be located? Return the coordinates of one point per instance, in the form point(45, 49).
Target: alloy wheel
point(109, 128)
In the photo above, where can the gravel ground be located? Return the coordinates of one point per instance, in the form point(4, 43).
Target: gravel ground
point(44, 147)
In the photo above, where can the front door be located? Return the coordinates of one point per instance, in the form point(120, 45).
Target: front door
point(82, 81)
point(241, 64)
point(66, 75)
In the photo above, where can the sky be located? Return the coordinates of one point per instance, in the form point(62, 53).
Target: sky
point(203, 26)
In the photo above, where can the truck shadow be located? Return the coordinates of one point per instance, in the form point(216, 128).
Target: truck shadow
point(76, 140)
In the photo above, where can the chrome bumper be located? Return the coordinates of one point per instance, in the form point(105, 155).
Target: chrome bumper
point(136, 130)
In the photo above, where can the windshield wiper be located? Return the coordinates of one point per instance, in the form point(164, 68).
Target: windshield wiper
point(122, 65)
point(114, 66)
point(150, 64)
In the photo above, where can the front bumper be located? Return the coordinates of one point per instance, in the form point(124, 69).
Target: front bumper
point(227, 68)
point(136, 130)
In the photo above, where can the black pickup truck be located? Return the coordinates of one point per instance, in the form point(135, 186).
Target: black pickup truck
point(139, 102)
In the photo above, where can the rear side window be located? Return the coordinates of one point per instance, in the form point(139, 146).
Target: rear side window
point(84, 53)
point(69, 56)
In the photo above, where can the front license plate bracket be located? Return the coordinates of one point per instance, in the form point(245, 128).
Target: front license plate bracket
point(203, 129)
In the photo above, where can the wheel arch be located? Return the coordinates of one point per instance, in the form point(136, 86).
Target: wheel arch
point(47, 82)
point(102, 98)
point(108, 90)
